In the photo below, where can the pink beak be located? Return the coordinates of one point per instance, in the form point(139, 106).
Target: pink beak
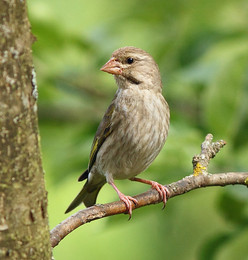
point(113, 66)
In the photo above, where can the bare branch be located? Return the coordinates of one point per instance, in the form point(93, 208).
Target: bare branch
point(200, 179)
point(150, 197)
point(208, 151)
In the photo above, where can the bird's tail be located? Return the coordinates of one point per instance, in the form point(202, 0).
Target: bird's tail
point(87, 195)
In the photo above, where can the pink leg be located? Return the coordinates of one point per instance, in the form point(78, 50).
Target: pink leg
point(126, 199)
point(161, 189)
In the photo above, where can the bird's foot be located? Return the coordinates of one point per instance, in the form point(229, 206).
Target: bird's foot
point(126, 199)
point(161, 189)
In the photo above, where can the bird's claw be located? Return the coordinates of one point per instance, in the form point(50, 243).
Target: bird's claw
point(162, 190)
point(128, 202)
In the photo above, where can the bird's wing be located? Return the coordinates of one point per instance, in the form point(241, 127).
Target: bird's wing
point(104, 130)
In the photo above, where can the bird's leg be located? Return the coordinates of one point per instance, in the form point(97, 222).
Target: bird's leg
point(161, 189)
point(126, 199)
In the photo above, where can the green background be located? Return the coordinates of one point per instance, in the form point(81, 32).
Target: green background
point(202, 51)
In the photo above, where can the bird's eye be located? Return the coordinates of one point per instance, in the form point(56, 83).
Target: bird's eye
point(129, 60)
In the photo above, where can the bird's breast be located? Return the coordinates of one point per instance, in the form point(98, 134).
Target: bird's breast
point(140, 135)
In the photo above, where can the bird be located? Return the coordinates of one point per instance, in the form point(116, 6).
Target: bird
point(133, 129)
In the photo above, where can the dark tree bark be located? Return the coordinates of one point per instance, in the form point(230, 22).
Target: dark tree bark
point(24, 232)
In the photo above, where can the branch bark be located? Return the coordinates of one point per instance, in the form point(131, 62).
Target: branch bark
point(180, 187)
point(201, 178)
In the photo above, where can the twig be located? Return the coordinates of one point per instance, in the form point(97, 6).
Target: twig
point(208, 151)
point(200, 179)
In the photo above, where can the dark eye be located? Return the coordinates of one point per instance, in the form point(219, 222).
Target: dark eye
point(129, 60)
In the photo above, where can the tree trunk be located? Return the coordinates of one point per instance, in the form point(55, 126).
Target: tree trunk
point(24, 232)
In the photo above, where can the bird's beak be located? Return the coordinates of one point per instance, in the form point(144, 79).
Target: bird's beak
point(113, 66)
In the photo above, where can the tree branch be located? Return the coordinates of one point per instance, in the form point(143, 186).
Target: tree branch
point(150, 197)
point(208, 151)
point(200, 179)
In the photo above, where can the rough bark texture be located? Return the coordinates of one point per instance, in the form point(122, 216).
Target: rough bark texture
point(24, 232)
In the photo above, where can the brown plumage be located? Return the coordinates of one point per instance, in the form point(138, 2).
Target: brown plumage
point(133, 129)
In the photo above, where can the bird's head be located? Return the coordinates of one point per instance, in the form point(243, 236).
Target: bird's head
point(132, 65)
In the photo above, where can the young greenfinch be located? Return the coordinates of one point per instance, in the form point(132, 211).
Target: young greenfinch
point(133, 129)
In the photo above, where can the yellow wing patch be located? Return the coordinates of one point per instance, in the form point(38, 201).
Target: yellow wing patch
point(104, 130)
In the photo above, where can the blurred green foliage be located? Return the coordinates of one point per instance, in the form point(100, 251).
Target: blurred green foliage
point(202, 51)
